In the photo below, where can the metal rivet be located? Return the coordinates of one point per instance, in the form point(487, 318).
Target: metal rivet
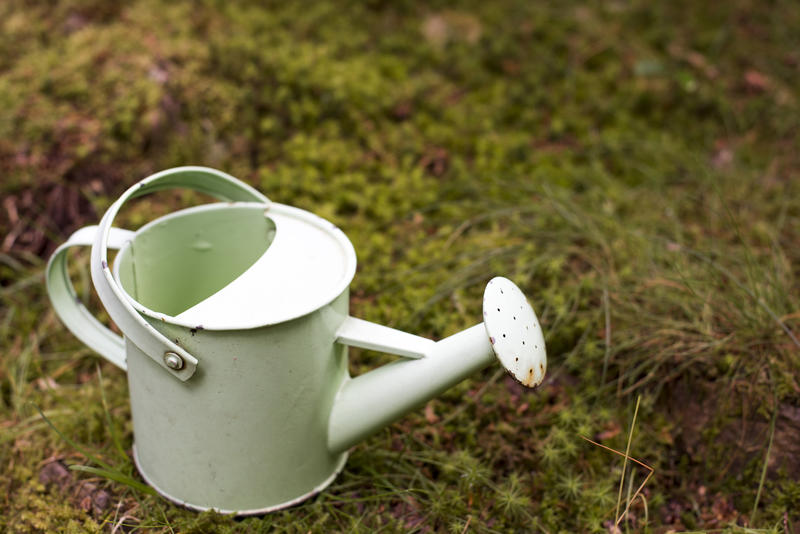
point(173, 361)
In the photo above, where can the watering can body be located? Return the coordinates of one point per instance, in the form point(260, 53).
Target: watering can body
point(248, 433)
point(237, 330)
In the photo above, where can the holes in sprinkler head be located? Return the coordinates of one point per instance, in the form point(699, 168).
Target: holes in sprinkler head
point(498, 309)
point(504, 335)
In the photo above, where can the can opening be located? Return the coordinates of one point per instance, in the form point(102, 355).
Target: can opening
point(180, 260)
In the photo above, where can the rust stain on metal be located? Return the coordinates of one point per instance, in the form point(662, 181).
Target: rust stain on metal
point(525, 382)
point(530, 379)
point(491, 340)
point(103, 264)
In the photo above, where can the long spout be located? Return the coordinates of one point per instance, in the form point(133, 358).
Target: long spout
point(510, 332)
point(375, 399)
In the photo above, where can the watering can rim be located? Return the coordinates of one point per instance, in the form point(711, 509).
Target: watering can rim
point(332, 231)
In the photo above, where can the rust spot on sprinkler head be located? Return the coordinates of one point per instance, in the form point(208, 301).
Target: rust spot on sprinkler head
point(530, 378)
point(528, 381)
point(103, 264)
point(491, 340)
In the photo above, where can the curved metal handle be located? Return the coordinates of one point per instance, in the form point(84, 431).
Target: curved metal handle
point(136, 329)
point(68, 306)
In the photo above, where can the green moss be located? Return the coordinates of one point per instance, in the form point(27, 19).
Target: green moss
point(36, 510)
point(630, 166)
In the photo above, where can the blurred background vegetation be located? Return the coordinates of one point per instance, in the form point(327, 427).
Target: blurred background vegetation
point(633, 166)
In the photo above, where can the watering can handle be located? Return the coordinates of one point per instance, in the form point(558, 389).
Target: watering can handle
point(136, 329)
point(69, 307)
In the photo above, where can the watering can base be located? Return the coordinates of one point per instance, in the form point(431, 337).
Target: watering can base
point(249, 512)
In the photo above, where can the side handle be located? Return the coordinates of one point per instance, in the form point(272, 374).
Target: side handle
point(69, 307)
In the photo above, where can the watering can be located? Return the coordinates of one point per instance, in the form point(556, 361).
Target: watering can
point(236, 335)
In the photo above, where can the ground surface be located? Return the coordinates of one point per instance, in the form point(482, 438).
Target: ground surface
point(633, 167)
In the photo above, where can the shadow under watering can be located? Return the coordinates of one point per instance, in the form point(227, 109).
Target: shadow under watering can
point(236, 333)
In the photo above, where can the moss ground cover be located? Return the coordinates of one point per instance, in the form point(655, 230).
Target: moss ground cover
point(632, 166)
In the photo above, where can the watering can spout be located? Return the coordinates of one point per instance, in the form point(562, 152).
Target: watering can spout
point(510, 333)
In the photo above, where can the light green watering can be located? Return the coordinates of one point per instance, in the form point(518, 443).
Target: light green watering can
point(236, 325)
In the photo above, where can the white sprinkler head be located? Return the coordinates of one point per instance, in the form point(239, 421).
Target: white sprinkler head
point(514, 331)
